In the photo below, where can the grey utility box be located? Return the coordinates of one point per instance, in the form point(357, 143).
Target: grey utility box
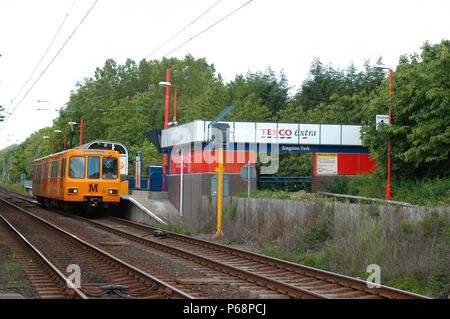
point(214, 185)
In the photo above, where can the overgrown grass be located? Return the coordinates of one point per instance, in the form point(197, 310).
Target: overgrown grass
point(412, 256)
point(17, 187)
point(175, 229)
point(10, 273)
point(300, 195)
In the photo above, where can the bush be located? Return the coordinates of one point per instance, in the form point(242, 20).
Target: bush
point(433, 223)
point(425, 192)
point(340, 186)
point(316, 233)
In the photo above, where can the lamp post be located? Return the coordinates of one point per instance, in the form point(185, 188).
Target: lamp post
point(388, 186)
point(167, 85)
point(71, 131)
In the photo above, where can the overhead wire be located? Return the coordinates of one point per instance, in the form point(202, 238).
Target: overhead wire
point(184, 28)
point(206, 29)
point(159, 47)
point(46, 51)
point(46, 68)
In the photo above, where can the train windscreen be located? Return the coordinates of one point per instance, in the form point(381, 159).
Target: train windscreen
point(93, 167)
point(110, 168)
point(77, 166)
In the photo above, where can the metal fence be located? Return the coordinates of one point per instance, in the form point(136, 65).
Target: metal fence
point(284, 183)
point(155, 182)
point(360, 199)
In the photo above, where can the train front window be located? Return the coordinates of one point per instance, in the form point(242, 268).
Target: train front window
point(109, 168)
point(77, 165)
point(94, 167)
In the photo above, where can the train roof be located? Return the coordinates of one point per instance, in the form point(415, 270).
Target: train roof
point(76, 151)
point(104, 145)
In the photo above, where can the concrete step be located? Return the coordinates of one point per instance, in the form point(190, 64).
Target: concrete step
point(149, 195)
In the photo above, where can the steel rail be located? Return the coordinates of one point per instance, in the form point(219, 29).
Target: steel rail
point(261, 280)
point(62, 279)
point(167, 288)
point(331, 277)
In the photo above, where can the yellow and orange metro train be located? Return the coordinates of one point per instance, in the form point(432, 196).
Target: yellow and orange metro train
point(78, 177)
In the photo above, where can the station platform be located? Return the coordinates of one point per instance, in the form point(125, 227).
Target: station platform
point(150, 208)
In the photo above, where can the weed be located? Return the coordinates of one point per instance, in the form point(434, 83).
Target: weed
point(175, 229)
point(11, 272)
point(407, 283)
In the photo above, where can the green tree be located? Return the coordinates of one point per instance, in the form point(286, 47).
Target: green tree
point(420, 130)
point(273, 92)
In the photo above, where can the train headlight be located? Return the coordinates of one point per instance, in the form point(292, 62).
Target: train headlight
point(112, 191)
point(73, 190)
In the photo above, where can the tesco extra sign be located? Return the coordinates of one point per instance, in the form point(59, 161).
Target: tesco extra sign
point(281, 133)
point(307, 133)
point(288, 133)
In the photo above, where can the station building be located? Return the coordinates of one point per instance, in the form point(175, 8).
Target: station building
point(194, 154)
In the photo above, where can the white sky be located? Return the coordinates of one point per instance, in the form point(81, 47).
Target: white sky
point(284, 34)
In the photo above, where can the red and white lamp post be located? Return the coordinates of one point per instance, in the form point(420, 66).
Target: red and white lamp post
point(388, 186)
point(167, 85)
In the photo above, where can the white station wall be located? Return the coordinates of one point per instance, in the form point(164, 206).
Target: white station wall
point(259, 132)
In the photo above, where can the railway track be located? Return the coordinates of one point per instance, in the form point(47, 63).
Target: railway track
point(46, 279)
point(279, 278)
point(103, 275)
point(272, 288)
point(292, 279)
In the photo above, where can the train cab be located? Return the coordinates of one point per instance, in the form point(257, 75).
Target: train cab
point(78, 176)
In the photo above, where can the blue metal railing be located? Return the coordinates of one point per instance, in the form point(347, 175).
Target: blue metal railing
point(153, 183)
point(286, 183)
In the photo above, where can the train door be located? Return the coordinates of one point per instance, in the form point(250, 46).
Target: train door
point(62, 177)
point(44, 178)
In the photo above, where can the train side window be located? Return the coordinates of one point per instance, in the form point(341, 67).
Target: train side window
point(93, 167)
point(77, 165)
point(54, 171)
point(63, 167)
point(52, 168)
point(110, 168)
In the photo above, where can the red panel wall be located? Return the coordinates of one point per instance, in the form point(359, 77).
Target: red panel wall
point(353, 164)
point(207, 161)
point(348, 164)
point(366, 165)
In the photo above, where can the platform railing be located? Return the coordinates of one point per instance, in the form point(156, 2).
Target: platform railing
point(366, 199)
point(286, 183)
point(153, 183)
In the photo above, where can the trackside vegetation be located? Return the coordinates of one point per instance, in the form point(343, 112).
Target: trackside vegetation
point(412, 257)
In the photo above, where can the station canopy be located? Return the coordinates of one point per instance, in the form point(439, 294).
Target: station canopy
point(290, 137)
